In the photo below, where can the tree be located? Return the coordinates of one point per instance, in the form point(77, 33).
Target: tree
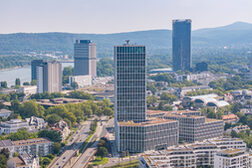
point(107, 111)
point(53, 135)
point(26, 83)
point(56, 147)
point(4, 84)
point(31, 108)
point(235, 107)
point(17, 82)
point(15, 106)
point(3, 161)
point(53, 118)
point(74, 85)
point(5, 152)
point(45, 161)
point(80, 95)
point(102, 151)
point(21, 134)
point(234, 134)
point(151, 87)
point(151, 100)
point(34, 82)
point(211, 114)
point(169, 97)
point(105, 67)
point(67, 71)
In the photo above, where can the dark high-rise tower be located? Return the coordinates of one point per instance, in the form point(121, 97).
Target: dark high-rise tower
point(181, 45)
point(130, 75)
point(34, 64)
point(85, 58)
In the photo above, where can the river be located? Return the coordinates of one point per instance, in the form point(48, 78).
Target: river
point(24, 74)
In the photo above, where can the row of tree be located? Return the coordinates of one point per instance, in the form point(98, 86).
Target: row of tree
point(71, 113)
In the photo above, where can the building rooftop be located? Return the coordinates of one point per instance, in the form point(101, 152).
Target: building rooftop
point(31, 142)
point(231, 151)
point(5, 143)
point(208, 120)
point(5, 111)
point(169, 112)
point(151, 121)
point(229, 117)
point(19, 162)
point(184, 116)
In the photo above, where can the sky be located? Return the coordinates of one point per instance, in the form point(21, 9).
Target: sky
point(114, 16)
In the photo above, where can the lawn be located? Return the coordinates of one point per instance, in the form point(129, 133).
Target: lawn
point(129, 164)
point(100, 161)
point(85, 143)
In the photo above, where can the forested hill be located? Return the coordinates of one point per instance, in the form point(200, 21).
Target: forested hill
point(237, 35)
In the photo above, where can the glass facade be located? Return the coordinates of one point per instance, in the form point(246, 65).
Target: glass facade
point(130, 78)
point(181, 45)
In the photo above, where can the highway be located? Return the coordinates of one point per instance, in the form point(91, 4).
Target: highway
point(90, 151)
point(73, 145)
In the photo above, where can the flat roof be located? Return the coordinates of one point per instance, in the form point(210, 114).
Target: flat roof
point(151, 121)
point(5, 143)
point(31, 141)
point(231, 151)
point(170, 112)
point(211, 120)
point(184, 116)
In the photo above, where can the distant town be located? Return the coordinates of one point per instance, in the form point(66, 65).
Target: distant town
point(121, 113)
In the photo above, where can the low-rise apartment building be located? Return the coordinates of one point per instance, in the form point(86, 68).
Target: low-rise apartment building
point(12, 126)
point(38, 146)
point(232, 158)
point(191, 155)
point(7, 144)
point(31, 124)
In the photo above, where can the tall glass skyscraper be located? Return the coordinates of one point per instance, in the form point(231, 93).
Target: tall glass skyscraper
point(130, 75)
point(181, 45)
point(134, 132)
point(84, 58)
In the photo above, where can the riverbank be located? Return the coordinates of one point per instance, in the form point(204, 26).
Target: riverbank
point(12, 68)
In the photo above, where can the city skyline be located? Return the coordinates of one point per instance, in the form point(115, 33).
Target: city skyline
point(35, 16)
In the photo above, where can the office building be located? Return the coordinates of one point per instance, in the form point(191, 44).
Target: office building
point(84, 58)
point(27, 90)
point(81, 80)
point(130, 86)
point(34, 147)
point(34, 65)
point(153, 134)
point(181, 45)
point(135, 132)
point(49, 77)
point(197, 128)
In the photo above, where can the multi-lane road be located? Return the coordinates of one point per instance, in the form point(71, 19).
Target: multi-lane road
point(72, 146)
point(90, 151)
